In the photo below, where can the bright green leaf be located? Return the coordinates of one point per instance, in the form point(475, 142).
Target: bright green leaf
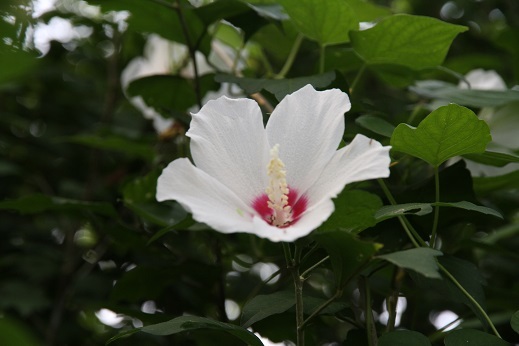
point(421, 260)
point(263, 306)
point(354, 212)
point(347, 253)
point(413, 41)
point(279, 87)
point(375, 124)
point(189, 323)
point(327, 22)
point(34, 204)
point(473, 337)
point(447, 132)
point(403, 338)
point(514, 322)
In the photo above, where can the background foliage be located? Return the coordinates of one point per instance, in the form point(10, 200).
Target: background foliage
point(82, 237)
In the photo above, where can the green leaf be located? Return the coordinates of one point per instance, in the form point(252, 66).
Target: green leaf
point(419, 209)
point(263, 306)
point(514, 322)
point(403, 338)
point(168, 94)
point(189, 323)
point(39, 203)
point(467, 97)
point(327, 22)
point(492, 158)
point(413, 41)
point(139, 196)
point(473, 337)
point(375, 124)
point(421, 260)
point(310, 304)
point(389, 211)
point(447, 132)
point(354, 212)
point(347, 253)
point(279, 87)
point(115, 143)
point(13, 333)
point(470, 206)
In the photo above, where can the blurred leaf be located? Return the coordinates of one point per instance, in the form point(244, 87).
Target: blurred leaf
point(148, 16)
point(354, 212)
point(167, 93)
point(185, 223)
point(26, 298)
point(263, 306)
point(279, 87)
point(403, 338)
point(327, 22)
point(473, 337)
point(190, 323)
point(115, 143)
point(447, 132)
point(366, 11)
point(310, 304)
point(467, 97)
point(422, 260)
point(347, 253)
point(39, 203)
point(13, 333)
point(492, 158)
point(414, 41)
point(19, 61)
point(375, 124)
point(485, 185)
point(514, 322)
point(134, 285)
point(470, 206)
point(217, 10)
point(139, 196)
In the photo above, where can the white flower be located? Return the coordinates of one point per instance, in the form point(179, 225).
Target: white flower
point(480, 79)
point(276, 182)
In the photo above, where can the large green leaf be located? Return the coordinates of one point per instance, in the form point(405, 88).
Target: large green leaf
point(467, 97)
point(263, 306)
point(327, 22)
point(413, 41)
point(190, 323)
point(34, 204)
point(354, 212)
point(447, 132)
point(279, 87)
point(347, 253)
point(421, 260)
point(403, 338)
point(473, 337)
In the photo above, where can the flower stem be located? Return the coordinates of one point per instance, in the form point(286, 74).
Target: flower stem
point(436, 207)
point(322, 52)
point(357, 78)
point(293, 266)
point(368, 313)
point(303, 275)
point(291, 57)
point(472, 300)
point(408, 228)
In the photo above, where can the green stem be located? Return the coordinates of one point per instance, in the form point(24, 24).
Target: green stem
point(357, 78)
point(291, 57)
point(293, 265)
point(408, 228)
point(303, 276)
point(321, 58)
point(472, 300)
point(368, 313)
point(436, 207)
point(321, 307)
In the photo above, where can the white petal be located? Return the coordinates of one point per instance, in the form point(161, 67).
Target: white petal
point(228, 141)
point(308, 126)
point(308, 222)
point(207, 199)
point(362, 159)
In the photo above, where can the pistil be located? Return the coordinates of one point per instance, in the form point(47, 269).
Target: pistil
point(277, 191)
